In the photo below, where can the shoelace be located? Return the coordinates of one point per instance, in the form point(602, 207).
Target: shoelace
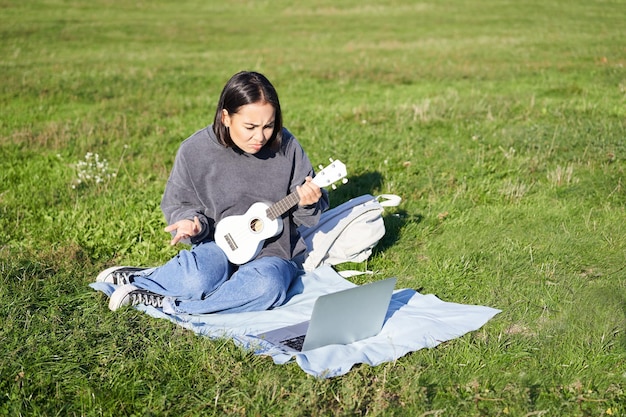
point(122, 278)
point(146, 297)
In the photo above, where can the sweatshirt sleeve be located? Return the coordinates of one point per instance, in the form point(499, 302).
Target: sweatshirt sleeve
point(180, 200)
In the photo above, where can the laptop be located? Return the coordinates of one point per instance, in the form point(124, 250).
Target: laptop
point(338, 318)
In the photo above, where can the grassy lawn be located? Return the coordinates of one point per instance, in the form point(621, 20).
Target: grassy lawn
point(501, 124)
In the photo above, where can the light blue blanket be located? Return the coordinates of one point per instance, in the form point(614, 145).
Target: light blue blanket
point(414, 321)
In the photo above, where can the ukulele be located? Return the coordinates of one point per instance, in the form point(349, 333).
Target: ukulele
point(241, 237)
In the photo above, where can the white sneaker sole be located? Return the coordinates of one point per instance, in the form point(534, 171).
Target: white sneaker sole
point(120, 297)
point(102, 276)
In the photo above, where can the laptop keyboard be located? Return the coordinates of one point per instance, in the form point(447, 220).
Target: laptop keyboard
point(294, 342)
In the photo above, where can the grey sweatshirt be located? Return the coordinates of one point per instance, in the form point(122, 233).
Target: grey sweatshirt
point(211, 181)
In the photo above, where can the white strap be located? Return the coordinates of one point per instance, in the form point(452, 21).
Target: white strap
point(353, 273)
point(389, 200)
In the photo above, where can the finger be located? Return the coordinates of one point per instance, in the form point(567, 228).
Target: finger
point(171, 227)
point(313, 190)
point(301, 192)
point(305, 196)
point(180, 235)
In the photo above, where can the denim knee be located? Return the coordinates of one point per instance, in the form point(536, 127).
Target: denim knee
point(269, 283)
point(200, 284)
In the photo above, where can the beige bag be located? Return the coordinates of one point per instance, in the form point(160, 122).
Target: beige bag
point(348, 232)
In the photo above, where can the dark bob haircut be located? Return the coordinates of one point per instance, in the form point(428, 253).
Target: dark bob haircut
point(244, 88)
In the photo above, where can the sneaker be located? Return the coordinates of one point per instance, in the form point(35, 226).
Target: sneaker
point(118, 275)
point(129, 295)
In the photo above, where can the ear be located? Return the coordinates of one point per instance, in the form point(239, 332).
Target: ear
point(225, 118)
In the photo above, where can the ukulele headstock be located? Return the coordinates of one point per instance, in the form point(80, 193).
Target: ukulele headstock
point(333, 172)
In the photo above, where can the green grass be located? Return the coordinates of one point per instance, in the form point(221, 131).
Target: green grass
point(501, 124)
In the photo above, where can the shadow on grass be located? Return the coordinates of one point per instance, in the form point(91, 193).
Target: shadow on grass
point(368, 183)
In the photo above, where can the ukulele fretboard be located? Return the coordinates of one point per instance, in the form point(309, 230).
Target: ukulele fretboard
point(279, 208)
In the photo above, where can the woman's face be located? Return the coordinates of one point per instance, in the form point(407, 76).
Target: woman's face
point(251, 127)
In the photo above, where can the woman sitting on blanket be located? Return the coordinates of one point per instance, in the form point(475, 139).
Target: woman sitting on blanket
point(244, 157)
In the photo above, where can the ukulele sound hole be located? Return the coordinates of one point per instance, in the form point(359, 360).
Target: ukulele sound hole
point(256, 225)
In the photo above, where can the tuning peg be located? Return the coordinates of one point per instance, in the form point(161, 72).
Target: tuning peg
point(344, 181)
point(320, 166)
point(331, 159)
point(334, 187)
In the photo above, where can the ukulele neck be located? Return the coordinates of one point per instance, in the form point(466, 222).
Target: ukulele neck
point(281, 207)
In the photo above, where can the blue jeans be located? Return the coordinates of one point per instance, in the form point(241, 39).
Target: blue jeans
point(201, 280)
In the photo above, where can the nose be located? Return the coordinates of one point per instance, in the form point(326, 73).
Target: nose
point(260, 136)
